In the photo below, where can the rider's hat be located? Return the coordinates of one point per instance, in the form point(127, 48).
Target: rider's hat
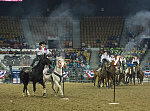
point(43, 42)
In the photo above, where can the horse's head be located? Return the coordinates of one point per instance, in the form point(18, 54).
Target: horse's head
point(60, 62)
point(45, 61)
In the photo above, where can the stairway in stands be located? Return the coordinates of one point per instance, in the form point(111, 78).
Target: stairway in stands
point(124, 37)
point(94, 61)
point(27, 32)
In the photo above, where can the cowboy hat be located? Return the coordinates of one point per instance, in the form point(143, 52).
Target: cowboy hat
point(43, 42)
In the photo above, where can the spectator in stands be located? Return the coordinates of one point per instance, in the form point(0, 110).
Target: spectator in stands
point(40, 51)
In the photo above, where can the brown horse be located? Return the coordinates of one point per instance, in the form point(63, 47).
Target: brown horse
point(103, 78)
point(120, 75)
point(130, 74)
point(140, 75)
point(96, 75)
point(112, 72)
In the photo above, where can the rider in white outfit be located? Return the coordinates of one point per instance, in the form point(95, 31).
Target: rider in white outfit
point(123, 62)
point(135, 61)
point(40, 51)
point(112, 58)
point(105, 56)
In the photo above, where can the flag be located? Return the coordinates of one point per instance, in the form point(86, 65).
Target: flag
point(89, 73)
point(65, 74)
point(2, 73)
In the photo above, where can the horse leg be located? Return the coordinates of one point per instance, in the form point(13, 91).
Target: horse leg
point(94, 81)
point(34, 88)
point(134, 79)
point(141, 80)
point(59, 86)
point(44, 87)
point(53, 87)
point(28, 94)
point(99, 82)
point(24, 88)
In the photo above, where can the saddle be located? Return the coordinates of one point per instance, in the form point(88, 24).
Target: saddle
point(49, 71)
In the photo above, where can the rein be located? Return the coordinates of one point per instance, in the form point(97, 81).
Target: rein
point(60, 76)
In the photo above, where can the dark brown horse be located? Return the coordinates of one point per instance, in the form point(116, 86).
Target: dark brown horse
point(120, 75)
point(103, 78)
point(130, 74)
point(140, 75)
point(36, 75)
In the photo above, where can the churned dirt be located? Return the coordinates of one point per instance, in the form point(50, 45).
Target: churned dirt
point(78, 97)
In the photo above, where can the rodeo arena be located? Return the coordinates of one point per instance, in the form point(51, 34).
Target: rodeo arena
point(79, 55)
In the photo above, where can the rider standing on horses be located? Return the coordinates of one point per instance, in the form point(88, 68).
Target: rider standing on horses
point(40, 51)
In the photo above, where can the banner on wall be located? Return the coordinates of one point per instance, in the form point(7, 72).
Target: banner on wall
point(2, 73)
point(89, 73)
point(65, 74)
point(16, 77)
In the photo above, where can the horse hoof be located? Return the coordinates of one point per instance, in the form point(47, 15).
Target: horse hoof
point(44, 95)
point(62, 96)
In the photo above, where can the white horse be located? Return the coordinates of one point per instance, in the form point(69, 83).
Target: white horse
point(56, 77)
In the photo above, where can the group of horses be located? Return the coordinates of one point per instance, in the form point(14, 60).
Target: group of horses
point(40, 74)
point(110, 73)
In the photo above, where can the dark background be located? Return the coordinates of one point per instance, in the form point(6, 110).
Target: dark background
point(75, 8)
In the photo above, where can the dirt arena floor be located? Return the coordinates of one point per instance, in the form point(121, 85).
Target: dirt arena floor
point(78, 97)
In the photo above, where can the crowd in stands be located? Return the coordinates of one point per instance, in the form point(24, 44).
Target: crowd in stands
point(101, 31)
point(139, 52)
point(78, 58)
point(73, 57)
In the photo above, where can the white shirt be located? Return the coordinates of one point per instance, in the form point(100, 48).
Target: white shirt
point(135, 60)
point(42, 51)
point(111, 59)
point(104, 56)
point(122, 59)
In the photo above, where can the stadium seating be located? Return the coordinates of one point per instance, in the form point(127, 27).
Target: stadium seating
point(52, 27)
point(10, 30)
point(95, 31)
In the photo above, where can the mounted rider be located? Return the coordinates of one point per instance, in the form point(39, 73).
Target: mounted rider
point(135, 61)
point(40, 51)
point(123, 62)
point(105, 56)
point(112, 58)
